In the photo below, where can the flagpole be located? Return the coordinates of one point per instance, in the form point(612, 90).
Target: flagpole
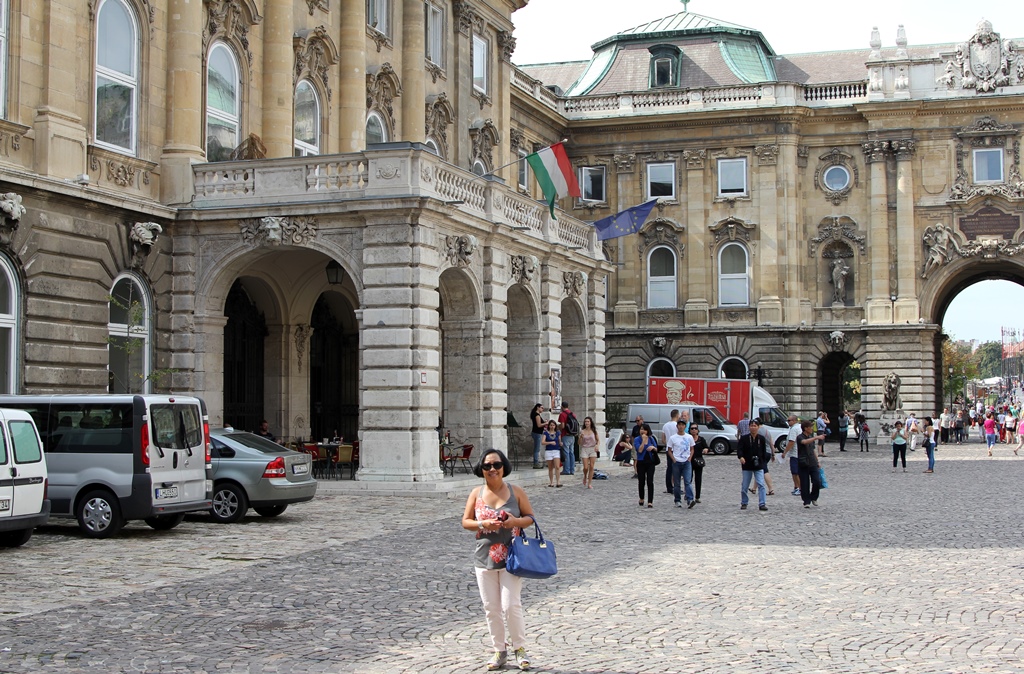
point(515, 161)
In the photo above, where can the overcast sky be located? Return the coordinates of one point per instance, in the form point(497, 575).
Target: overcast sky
point(563, 30)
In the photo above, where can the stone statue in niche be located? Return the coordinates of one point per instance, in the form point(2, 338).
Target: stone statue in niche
point(840, 270)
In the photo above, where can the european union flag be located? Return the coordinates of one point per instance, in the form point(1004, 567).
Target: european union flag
point(628, 221)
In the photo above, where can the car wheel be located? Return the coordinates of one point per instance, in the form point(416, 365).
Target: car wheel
point(780, 443)
point(164, 522)
point(719, 447)
point(271, 511)
point(99, 515)
point(229, 503)
point(15, 539)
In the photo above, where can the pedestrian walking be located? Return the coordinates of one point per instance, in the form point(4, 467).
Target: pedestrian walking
point(945, 424)
point(700, 448)
point(752, 451)
point(496, 511)
point(821, 424)
point(990, 427)
point(790, 452)
point(810, 469)
point(929, 443)
point(958, 427)
point(913, 431)
point(668, 430)
point(844, 429)
point(537, 424)
point(681, 447)
point(552, 454)
point(568, 426)
point(646, 451)
point(588, 451)
point(1020, 440)
point(864, 435)
point(899, 445)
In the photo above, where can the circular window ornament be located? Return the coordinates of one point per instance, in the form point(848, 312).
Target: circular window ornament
point(837, 178)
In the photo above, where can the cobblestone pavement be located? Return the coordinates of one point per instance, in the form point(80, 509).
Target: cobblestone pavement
point(901, 572)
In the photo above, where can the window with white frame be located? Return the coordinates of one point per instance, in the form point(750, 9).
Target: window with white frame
point(662, 72)
point(10, 301)
point(592, 183)
point(117, 68)
point(988, 165)
point(661, 278)
point(377, 15)
point(433, 146)
point(661, 181)
point(307, 120)
point(480, 58)
point(479, 168)
point(524, 171)
point(435, 34)
point(733, 276)
point(732, 177)
point(375, 132)
point(223, 107)
point(128, 340)
point(3, 58)
point(661, 367)
point(733, 367)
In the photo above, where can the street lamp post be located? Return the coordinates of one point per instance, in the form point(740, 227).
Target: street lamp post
point(950, 387)
point(760, 374)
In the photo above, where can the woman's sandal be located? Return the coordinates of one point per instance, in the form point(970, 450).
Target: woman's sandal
point(771, 493)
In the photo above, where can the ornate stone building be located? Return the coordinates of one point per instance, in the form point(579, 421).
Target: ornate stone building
point(814, 209)
point(282, 206)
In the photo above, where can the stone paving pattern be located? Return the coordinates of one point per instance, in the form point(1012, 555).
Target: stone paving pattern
point(891, 573)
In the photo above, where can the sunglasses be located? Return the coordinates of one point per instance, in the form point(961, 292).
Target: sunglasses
point(492, 466)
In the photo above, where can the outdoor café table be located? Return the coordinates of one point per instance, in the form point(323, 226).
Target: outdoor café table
point(450, 456)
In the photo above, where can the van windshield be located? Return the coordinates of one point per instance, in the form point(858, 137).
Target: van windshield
point(772, 416)
point(176, 426)
point(716, 415)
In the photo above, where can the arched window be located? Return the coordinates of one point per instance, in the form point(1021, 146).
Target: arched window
point(307, 120)
point(733, 276)
point(10, 303)
point(375, 132)
point(479, 168)
point(117, 68)
point(432, 146)
point(661, 278)
point(128, 337)
point(733, 368)
point(222, 103)
point(661, 367)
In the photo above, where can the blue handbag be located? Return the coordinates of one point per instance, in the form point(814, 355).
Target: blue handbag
point(821, 477)
point(531, 557)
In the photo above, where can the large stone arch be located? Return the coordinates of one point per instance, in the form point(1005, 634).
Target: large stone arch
point(461, 362)
point(575, 343)
point(527, 384)
point(942, 286)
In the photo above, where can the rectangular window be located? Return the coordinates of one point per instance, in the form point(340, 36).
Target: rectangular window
point(988, 165)
point(480, 58)
point(435, 34)
point(377, 15)
point(734, 291)
point(732, 177)
point(661, 181)
point(524, 171)
point(592, 183)
point(663, 72)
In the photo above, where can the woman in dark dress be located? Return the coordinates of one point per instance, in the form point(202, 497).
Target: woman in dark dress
point(646, 449)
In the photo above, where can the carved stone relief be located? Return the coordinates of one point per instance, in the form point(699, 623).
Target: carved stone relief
point(903, 148)
point(439, 116)
point(142, 236)
point(276, 230)
point(506, 45)
point(485, 137)
point(9, 142)
point(624, 163)
point(574, 283)
point(694, 158)
point(837, 228)
point(985, 133)
point(230, 20)
point(839, 273)
point(382, 88)
point(459, 249)
point(767, 155)
point(315, 53)
point(875, 150)
point(802, 152)
point(984, 63)
point(302, 335)
point(661, 232)
point(837, 340)
point(516, 141)
point(12, 210)
point(836, 157)
point(466, 18)
point(732, 229)
point(943, 244)
point(523, 268)
point(318, 4)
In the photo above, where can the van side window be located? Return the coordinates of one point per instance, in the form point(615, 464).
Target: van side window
point(3, 447)
point(26, 446)
point(697, 417)
point(176, 426)
point(104, 428)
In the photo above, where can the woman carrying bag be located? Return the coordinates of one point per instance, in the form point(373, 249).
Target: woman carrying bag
point(497, 511)
point(646, 460)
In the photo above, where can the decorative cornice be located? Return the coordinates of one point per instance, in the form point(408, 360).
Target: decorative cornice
point(732, 229)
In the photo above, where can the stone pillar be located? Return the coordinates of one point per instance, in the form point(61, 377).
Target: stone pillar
point(399, 349)
point(296, 421)
point(596, 386)
point(184, 101)
point(628, 264)
point(352, 90)
point(550, 323)
point(907, 307)
point(278, 74)
point(413, 72)
point(769, 303)
point(200, 357)
point(878, 306)
point(277, 368)
point(494, 351)
point(698, 308)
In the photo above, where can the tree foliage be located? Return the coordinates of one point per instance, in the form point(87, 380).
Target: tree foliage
point(989, 358)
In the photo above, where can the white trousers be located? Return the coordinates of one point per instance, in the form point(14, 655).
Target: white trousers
point(499, 591)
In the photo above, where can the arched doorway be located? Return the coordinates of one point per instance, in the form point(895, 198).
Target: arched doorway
point(832, 374)
point(244, 336)
point(333, 368)
point(574, 358)
point(462, 368)
point(733, 368)
point(525, 385)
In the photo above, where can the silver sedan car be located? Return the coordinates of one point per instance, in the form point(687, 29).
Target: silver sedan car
point(252, 471)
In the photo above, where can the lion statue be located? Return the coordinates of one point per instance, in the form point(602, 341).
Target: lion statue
point(891, 392)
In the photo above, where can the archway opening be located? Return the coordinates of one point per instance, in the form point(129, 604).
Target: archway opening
point(244, 337)
point(574, 358)
point(526, 387)
point(835, 372)
point(334, 368)
point(733, 368)
point(462, 368)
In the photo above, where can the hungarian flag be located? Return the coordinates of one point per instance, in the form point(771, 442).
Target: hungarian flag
point(554, 173)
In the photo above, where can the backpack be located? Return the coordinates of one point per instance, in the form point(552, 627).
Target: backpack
point(572, 426)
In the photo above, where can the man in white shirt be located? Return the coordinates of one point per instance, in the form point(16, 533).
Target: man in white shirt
point(680, 447)
point(790, 451)
point(913, 431)
point(668, 430)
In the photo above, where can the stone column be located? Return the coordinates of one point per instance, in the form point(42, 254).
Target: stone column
point(278, 73)
point(697, 310)
point(413, 72)
point(596, 380)
point(277, 369)
point(200, 357)
point(183, 146)
point(769, 304)
point(550, 323)
point(352, 90)
point(628, 264)
point(878, 306)
point(494, 351)
point(400, 354)
point(907, 307)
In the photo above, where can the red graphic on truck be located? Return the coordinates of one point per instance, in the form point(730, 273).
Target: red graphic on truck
point(730, 396)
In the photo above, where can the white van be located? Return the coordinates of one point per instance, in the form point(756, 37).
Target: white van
point(23, 502)
point(114, 458)
point(720, 435)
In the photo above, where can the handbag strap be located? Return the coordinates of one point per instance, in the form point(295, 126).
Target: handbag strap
point(536, 527)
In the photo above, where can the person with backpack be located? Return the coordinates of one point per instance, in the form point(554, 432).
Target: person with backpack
point(569, 427)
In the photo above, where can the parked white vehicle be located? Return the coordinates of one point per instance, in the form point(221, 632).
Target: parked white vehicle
point(720, 435)
point(23, 501)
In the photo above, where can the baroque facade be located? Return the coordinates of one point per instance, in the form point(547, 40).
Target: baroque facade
point(287, 208)
point(813, 209)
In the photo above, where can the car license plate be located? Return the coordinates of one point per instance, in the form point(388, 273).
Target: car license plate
point(5, 504)
point(300, 469)
point(167, 492)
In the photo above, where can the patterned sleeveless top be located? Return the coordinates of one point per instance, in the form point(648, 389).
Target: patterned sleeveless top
point(492, 546)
